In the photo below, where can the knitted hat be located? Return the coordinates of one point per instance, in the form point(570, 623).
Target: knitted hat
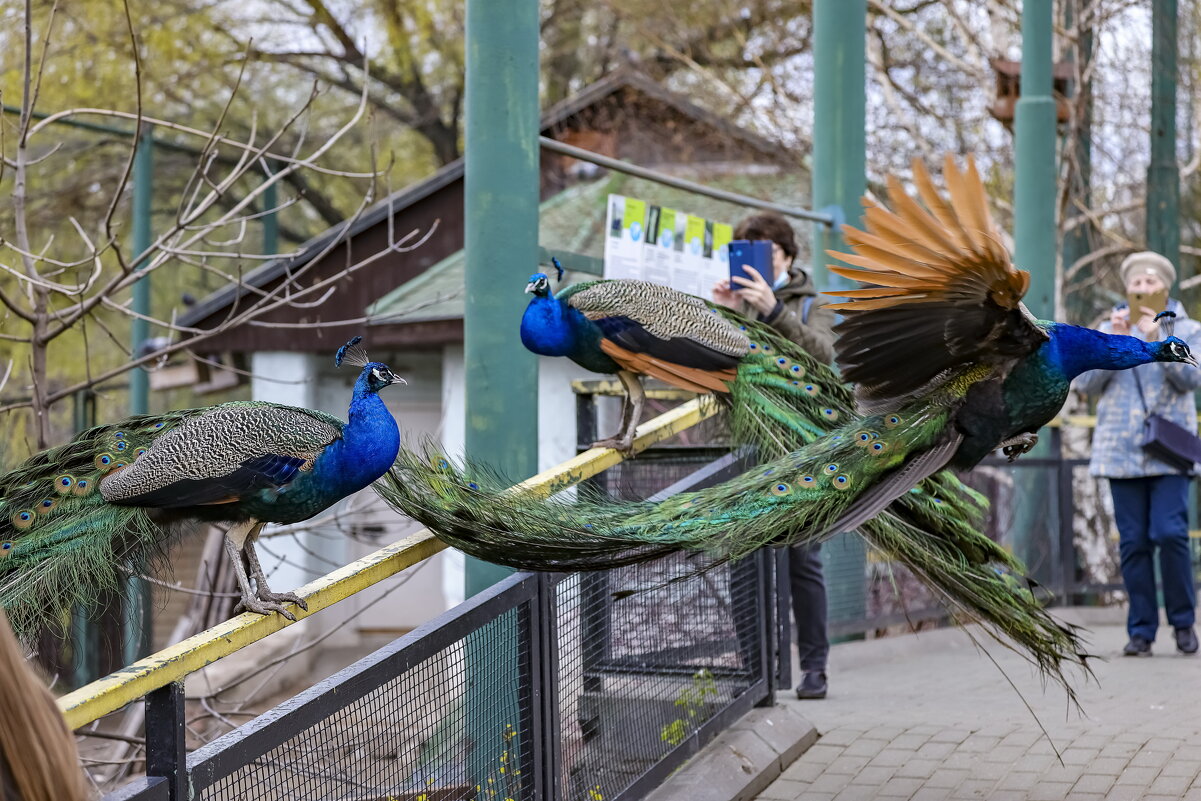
point(1147, 262)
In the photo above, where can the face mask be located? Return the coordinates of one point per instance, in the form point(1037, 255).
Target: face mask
point(780, 281)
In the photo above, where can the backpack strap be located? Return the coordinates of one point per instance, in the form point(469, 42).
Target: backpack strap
point(806, 305)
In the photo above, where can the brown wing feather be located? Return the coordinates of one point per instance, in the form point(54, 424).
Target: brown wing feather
point(938, 289)
point(688, 378)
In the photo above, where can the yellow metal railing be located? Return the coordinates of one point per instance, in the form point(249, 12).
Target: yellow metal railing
point(175, 662)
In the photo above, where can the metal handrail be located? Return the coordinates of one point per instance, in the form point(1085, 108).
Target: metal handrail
point(828, 220)
point(176, 661)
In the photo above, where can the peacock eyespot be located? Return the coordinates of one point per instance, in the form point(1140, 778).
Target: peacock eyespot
point(812, 389)
point(119, 435)
point(120, 445)
point(796, 368)
point(23, 519)
point(140, 452)
point(781, 489)
point(769, 471)
point(63, 484)
point(587, 525)
point(104, 461)
point(862, 438)
point(767, 348)
point(830, 414)
point(841, 482)
point(82, 487)
point(159, 425)
point(878, 447)
point(5, 548)
point(742, 327)
point(808, 480)
point(831, 469)
point(754, 346)
point(472, 485)
point(892, 421)
point(45, 506)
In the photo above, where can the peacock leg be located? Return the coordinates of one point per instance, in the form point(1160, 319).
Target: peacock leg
point(264, 592)
point(235, 546)
point(1016, 446)
point(631, 413)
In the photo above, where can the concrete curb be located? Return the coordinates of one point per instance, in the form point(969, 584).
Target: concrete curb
point(743, 760)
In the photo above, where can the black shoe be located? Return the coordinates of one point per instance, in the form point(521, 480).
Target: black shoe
point(1140, 647)
point(1186, 640)
point(813, 685)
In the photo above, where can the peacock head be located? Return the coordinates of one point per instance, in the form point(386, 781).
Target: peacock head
point(375, 375)
point(1173, 349)
point(539, 285)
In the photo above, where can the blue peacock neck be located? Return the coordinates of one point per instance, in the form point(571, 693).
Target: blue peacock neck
point(1074, 350)
point(369, 443)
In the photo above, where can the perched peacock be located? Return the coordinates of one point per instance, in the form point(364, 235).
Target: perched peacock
point(950, 366)
point(78, 519)
point(636, 328)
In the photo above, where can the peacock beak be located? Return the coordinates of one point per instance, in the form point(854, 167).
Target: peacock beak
point(530, 288)
point(397, 380)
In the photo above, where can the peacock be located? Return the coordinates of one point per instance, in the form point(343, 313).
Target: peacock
point(77, 519)
point(949, 366)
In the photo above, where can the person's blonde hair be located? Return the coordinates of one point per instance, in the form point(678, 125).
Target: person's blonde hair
point(40, 762)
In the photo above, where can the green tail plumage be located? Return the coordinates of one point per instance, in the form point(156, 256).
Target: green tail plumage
point(803, 497)
point(61, 543)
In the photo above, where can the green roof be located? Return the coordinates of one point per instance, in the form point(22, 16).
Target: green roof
point(572, 225)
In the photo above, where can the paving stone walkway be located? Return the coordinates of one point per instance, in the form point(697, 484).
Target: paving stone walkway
point(928, 717)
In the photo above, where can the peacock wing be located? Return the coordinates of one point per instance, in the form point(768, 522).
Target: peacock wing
point(223, 454)
point(658, 331)
point(939, 290)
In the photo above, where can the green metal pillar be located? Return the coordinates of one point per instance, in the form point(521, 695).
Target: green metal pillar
point(143, 193)
point(1034, 192)
point(271, 218)
point(138, 619)
point(1034, 250)
point(839, 123)
point(501, 233)
point(839, 146)
point(1163, 174)
point(1080, 240)
point(501, 239)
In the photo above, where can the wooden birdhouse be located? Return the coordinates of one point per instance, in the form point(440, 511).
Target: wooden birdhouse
point(1009, 89)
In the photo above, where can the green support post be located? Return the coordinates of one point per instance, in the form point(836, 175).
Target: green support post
point(1034, 244)
point(501, 187)
point(839, 147)
point(839, 125)
point(501, 240)
point(1079, 241)
point(271, 218)
point(138, 620)
point(1163, 174)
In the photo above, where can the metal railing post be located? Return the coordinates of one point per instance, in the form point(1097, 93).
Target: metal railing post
point(166, 752)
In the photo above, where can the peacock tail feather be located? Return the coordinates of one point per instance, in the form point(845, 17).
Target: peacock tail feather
point(800, 499)
point(50, 510)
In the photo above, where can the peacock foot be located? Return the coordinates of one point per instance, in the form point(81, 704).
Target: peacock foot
point(267, 602)
point(1016, 446)
point(621, 444)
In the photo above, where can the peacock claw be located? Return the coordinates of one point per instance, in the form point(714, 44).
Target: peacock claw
point(263, 607)
point(1016, 446)
point(624, 446)
point(277, 597)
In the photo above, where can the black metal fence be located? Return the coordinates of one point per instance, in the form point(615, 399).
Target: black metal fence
point(577, 687)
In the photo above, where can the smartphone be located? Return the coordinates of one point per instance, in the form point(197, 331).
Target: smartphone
point(1156, 301)
point(754, 253)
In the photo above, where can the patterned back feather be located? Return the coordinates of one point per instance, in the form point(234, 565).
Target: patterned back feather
point(68, 529)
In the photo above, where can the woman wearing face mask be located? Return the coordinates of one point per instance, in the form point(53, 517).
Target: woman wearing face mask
point(1150, 497)
point(787, 301)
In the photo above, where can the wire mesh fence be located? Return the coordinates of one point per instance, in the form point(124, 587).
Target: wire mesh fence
point(582, 687)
